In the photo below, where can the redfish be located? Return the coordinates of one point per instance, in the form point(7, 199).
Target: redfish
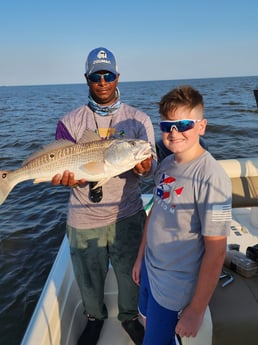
point(91, 158)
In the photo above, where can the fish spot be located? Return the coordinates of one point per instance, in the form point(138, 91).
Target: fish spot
point(52, 155)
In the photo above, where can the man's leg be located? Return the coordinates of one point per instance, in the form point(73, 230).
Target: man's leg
point(124, 243)
point(89, 256)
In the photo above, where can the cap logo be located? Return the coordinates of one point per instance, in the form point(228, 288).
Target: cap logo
point(100, 59)
point(102, 55)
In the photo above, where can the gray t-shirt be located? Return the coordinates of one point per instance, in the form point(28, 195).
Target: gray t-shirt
point(191, 200)
point(121, 194)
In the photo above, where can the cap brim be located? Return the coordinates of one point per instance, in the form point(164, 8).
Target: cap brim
point(102, 67)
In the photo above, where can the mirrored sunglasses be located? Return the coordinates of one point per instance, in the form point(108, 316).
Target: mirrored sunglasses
point(179, 125)
point(96, 77)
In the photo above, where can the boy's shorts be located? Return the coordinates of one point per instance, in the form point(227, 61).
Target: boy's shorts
point(160, 322)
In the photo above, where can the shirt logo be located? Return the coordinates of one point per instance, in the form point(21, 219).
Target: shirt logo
point(167, 188)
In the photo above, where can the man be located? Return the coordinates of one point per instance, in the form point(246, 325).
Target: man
point(105, 224)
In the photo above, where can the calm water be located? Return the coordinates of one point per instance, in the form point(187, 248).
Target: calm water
point(32, 219)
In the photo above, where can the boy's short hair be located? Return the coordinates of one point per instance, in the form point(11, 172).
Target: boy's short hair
point(184, 95)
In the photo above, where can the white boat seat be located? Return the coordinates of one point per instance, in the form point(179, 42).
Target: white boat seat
point(243, 173)
point(244, 191)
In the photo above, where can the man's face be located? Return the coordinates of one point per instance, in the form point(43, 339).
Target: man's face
point(102, 90)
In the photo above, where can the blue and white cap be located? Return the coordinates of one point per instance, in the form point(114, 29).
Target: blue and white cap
point(101, 59)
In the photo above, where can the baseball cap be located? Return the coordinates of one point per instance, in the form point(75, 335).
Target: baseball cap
point(101, 59)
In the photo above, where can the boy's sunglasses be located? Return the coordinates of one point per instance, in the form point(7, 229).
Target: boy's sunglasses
point(96, 77)
point(179, 125)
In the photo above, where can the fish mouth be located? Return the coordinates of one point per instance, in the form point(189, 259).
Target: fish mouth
point(144, 152)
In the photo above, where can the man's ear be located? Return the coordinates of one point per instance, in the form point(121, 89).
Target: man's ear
point(87, 81)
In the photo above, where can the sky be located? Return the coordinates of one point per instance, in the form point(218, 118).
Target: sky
point(47, 41)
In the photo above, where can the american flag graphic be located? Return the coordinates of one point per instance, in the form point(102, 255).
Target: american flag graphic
point(221, 213)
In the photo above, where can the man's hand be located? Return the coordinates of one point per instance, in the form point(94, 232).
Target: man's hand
point(67, 179)
point(143, 167)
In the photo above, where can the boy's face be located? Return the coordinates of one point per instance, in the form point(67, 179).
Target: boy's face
point(185, 145)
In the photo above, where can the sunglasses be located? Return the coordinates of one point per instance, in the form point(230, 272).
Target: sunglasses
point(179, 125)
point(96, 77)
point(95, 193)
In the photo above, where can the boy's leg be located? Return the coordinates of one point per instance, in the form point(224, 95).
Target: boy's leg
point(160, 322)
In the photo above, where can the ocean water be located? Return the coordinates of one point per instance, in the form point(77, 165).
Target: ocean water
point(32, 219)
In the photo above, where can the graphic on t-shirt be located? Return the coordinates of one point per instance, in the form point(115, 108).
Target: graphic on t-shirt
point(106, 133)
point(110, 133)
point(167, 185)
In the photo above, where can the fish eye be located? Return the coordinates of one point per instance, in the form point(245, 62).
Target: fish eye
point(4, 175)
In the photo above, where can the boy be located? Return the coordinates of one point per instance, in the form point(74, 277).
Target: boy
point(184, 241)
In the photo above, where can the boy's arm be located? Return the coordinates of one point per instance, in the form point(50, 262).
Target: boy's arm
point(210, 270)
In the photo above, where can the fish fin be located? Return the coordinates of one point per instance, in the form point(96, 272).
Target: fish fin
point(93, 168)
point(101, 182)
point(89, 136)
point(59, 144)
point(41, 179)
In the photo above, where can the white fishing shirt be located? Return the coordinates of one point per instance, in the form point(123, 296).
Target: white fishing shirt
point(121, 194)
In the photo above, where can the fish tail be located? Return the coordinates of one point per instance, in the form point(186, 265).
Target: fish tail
point(6, 185)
